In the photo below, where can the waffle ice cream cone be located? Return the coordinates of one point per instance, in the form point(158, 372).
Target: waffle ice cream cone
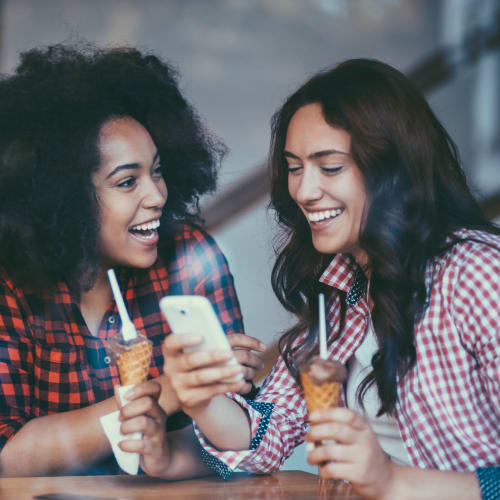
point(133, 358)
point(133, 365)
point(321, 382)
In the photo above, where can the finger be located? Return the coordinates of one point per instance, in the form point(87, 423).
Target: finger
point(200, 359)
point(249, 373)
point(149, 388)
point(340, 415)
point(329, 451)
point(248, 358)
point(143, 424)
point(131, 445)
point(209, 376)
point(174, 343)
point(240, 340)
point(143, 406)
point(336, 470)
point(245, 389)
point(341, 433)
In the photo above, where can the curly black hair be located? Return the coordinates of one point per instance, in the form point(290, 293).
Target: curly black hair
point(51, 111)
point(417, 198)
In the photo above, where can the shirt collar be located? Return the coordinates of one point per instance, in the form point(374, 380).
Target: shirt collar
point(340, 272)
point(346, 275)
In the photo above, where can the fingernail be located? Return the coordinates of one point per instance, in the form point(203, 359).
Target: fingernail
point(263, 346)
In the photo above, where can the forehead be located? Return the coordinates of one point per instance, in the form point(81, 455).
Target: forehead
point(122, 135)
point(308, 133)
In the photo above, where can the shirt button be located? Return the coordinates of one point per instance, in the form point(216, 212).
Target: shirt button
point(107, 360)
point(111, 319)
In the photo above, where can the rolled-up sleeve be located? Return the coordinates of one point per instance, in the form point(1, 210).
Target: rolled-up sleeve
point(278, 420)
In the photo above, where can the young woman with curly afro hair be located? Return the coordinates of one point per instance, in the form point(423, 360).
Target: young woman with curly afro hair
point(102, 163)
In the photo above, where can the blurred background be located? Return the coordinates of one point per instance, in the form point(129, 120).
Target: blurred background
point(239, 59)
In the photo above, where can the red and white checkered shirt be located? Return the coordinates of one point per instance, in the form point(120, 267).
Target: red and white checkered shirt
point(448, 410)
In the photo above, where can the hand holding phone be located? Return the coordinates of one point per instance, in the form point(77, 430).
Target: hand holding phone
point(195, 314)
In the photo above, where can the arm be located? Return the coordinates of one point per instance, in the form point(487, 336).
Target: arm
point(196, 378)
point(415, 484)
point(64, 442)
point(356, 456)
point(265, 431)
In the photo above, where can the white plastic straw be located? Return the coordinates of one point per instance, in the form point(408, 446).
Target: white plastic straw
point(128, 329)
point(322, 327)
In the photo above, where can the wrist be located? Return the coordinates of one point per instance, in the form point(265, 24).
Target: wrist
point(198, 412)
point(161, 465)
point(168, 399)
point(395, 486)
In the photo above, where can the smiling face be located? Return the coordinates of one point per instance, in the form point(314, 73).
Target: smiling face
point(325, 182)
point(131, 193)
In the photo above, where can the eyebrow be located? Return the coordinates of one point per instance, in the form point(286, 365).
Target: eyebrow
point(317, 154)
point(131, 166)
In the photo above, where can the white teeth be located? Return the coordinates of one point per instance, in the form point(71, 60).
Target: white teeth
point(324, 214)
point(150, 226)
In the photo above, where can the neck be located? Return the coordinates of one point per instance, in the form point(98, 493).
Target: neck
point(362, 260)
point(94, 302)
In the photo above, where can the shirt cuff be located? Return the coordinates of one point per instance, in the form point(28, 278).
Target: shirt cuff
point(8, 429)
point(224, 463)
point(489, 482)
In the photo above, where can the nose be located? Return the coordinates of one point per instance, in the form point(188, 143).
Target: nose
point(308, 186)
point(155, 195)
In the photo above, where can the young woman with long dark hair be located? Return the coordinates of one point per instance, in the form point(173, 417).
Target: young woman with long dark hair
point(376, 213)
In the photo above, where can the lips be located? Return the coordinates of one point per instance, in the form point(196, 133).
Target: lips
point(146, 226)
point(146, 232)
point(319, 216)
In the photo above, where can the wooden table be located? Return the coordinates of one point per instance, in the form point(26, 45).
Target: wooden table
point(293, 485)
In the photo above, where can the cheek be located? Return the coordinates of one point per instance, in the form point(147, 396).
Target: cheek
point(292, 188)
point(164, 189)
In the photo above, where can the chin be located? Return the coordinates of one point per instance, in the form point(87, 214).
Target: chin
point(326, 247)
point(143, 262)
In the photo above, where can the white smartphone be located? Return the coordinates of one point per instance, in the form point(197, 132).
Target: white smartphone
point(195, 314)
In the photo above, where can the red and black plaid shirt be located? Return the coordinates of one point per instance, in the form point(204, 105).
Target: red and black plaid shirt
point(49, 361)
point(448, 411)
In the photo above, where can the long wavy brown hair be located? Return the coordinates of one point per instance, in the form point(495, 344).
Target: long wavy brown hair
point(417, 196)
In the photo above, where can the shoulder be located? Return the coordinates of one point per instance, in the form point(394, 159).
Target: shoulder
point(472, 254)
point(191, 245)
point(469, 285)
point(8, 285)
point(15, 303)
point(190, 234)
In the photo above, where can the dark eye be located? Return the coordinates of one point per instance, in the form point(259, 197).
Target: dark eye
point(129, 182)
point(331, 170)
point(157, 170)
point(293, 169)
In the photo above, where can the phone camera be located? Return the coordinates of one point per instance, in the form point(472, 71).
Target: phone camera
point(183, 311)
